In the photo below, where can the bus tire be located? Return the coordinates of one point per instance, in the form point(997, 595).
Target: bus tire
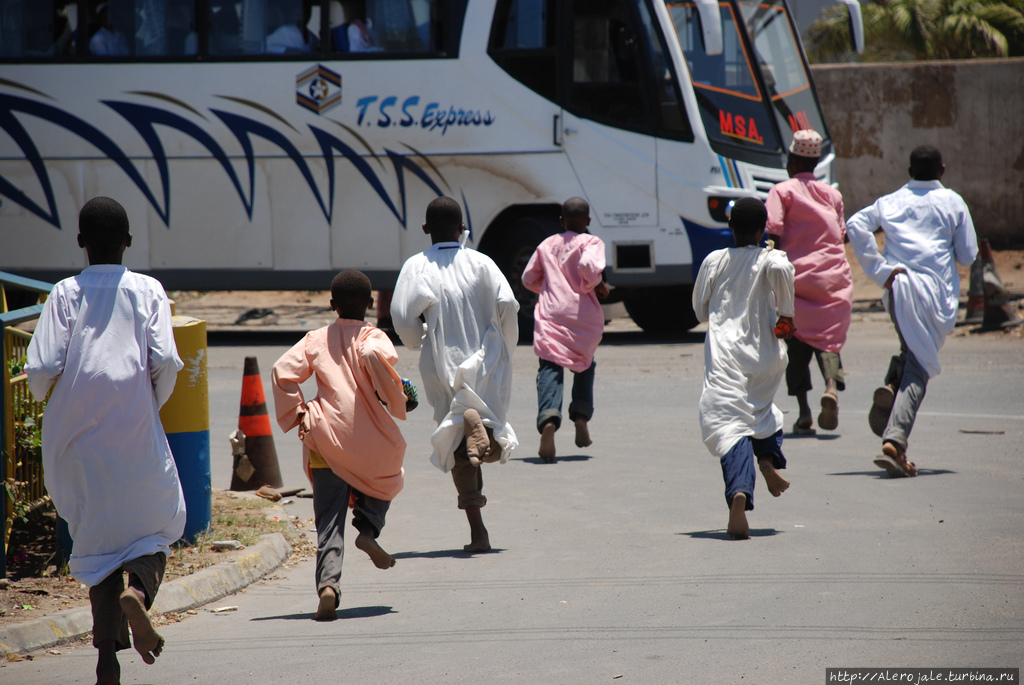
point(666, 310)
point(512, 253)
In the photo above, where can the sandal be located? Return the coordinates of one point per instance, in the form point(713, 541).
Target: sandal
point(803, 430)
point(828, 419)
point(881, 408)
point(894, 460)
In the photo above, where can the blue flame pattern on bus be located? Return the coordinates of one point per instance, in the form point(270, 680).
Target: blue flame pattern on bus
point(145, 118)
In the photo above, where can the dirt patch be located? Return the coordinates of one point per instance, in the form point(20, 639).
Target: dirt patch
point(35, 587)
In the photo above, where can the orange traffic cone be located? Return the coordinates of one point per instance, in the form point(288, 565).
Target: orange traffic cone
point(257, 466)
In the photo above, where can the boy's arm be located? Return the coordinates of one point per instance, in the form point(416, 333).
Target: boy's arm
point(289, 372)
point(508, 308)
point(592, 264)
point(164, 363)
point(965, 239)
point(703, 289)
point(48, 350)
point(533, 274)
point(379, 358)
point(776, 217)
point(780, 278)
point(861, 231)
point(410, 299)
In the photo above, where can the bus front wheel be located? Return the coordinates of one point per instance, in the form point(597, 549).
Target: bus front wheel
point(665, 310)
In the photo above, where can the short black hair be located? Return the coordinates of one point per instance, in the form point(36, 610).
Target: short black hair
point(103, 224)
point(925, 163)
point(748, 216)
point(351, 291)
point(575, 206)
point(444, 216)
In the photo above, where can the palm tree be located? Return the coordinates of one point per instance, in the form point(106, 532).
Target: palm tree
point(923, 29)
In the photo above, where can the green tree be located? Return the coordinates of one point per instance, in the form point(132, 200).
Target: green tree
point(922, 29)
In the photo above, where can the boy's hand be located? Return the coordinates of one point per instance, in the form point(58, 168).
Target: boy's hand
point(412, 397)
point(895, 272)
point(785, 328)
point(602, 290)
point(302, 426)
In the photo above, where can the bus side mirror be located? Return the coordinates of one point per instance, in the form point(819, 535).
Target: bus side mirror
point(856, 24)
point(711, 25)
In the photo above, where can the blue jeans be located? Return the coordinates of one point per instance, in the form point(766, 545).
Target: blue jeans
point(738, 465)
point(550, 378)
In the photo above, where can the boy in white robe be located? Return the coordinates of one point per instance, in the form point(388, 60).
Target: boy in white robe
point(745, 294)
point(457, 305)
point(105, 344)
point(928, 230)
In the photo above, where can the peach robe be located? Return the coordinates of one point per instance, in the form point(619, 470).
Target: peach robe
point(348, 426)
point(808, 217)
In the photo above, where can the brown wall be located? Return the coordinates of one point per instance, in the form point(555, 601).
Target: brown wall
point(973, 111)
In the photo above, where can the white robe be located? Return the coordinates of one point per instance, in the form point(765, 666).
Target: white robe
point(927, 227)
point(105, 338)
point(470, 331)
point(740, 292)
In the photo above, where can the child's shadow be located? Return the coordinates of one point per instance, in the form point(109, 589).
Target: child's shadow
point(444, 554)
point(882, 475)
point(351, 612)
point(811, 436)
point(720, 534)
point(571, 457)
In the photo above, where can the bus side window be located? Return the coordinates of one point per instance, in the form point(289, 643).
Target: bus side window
point(523, 42)
point(605, 79)
point(34, 28)
point(389, 26)
point(165, 28)
point(670, 110)
point(225, 28)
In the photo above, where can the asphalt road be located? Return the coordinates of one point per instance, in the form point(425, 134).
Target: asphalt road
point(612, 565)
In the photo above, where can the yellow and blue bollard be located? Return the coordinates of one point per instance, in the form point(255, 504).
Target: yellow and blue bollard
point(186, 420)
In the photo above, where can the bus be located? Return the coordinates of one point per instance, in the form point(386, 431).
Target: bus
point(267, 144)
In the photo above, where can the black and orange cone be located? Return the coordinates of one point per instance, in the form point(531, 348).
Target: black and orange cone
point(258, 465)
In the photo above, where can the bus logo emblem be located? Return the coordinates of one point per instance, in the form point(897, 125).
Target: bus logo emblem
point(318, 89)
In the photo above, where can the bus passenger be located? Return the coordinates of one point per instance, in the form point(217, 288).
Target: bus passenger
point(291, 34)
point(105, 345)
point(805, 219)
point(107, 41)
point(567, 271)
point(351, 445)
point(745, 294)
point(457, 305)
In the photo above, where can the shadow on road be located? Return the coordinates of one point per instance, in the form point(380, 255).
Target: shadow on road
point(882, 475)
point(720, 534)
point(538, 460)
point(444, 554)
point(351, 612)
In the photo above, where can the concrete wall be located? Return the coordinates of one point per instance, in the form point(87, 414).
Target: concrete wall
point(973, 111)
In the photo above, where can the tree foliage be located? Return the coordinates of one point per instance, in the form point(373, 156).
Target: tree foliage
point(922, 29)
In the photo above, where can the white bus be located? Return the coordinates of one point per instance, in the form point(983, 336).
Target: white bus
point(266, 144)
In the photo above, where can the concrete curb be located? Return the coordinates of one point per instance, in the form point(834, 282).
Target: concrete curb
point(180, 594)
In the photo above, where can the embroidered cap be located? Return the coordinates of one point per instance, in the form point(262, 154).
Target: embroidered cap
point(806, 143)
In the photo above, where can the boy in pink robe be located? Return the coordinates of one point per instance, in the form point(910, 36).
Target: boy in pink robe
point(352, 449)
point(567, 271)
point(805, 219)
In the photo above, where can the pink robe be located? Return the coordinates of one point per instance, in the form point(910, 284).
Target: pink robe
point(807, 215)
point(348, 426)
point(568, 321)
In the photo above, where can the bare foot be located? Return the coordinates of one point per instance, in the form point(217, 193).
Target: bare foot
point(146, 640)
point(479, 541)
point(477, 441)
point(738, 528)
point(327, 610)
point(380, 558)
point(547, 442)
point(582, 434)
point(772, 478)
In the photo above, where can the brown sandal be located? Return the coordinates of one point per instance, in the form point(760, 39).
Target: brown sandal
point(894, 460)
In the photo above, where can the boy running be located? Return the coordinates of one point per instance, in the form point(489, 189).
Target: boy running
point(745, 294)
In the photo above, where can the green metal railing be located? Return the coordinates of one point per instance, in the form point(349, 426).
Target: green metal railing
point(21, 466)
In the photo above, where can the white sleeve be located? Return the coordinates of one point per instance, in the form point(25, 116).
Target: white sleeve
point(48, 350)
point(703, 288)
point(965, 239)
point(164, 363)
point(861, 231)
point(410, 299)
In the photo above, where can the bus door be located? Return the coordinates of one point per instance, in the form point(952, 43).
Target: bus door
point(604, 122)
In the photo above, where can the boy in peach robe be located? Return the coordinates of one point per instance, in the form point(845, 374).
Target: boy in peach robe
point(805, 219)
point(352, 449)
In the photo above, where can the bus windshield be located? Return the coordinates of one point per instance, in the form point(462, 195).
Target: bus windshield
point(757, 92)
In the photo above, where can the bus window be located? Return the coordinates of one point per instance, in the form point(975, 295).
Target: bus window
point(671, 113)
point(387, 26)
point(605, 78)
point(523, 44)
point(287, 30)
point(35, 28)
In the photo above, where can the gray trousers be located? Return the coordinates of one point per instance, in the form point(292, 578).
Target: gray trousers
point(910, 380)
point(331, 496)
point(108, 620)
